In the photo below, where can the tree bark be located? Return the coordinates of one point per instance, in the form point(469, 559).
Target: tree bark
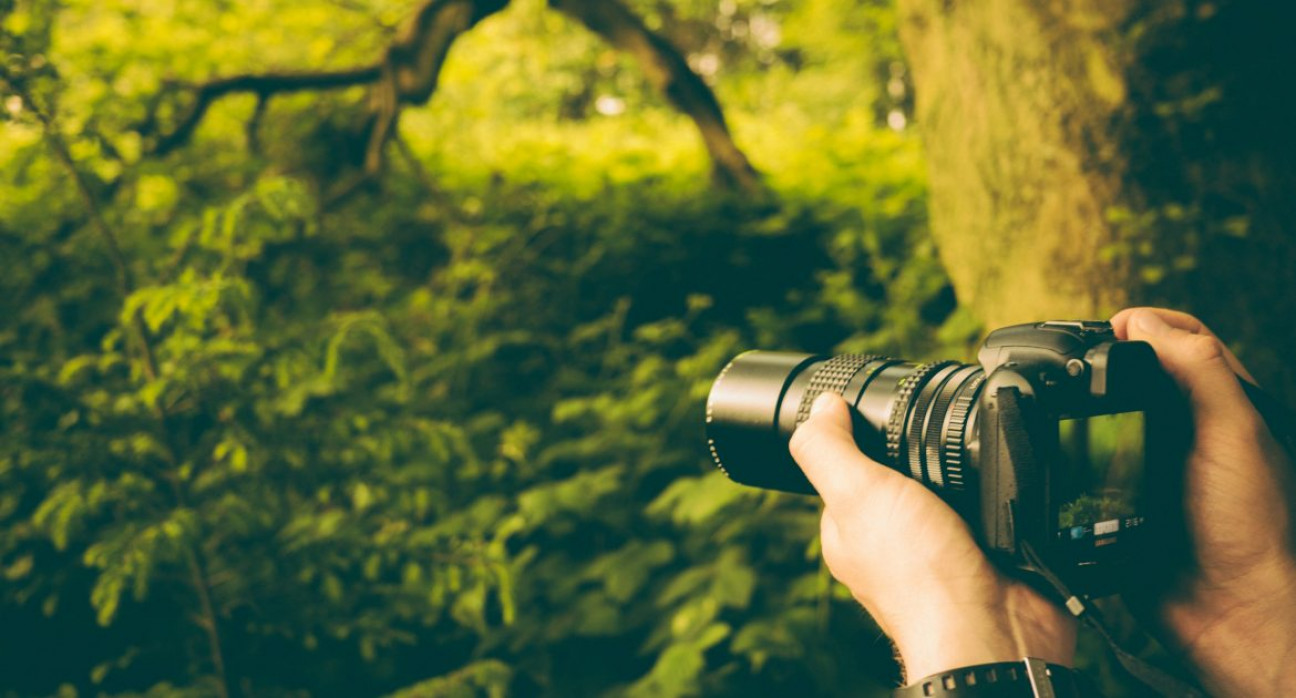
point(1016, 102)
point(669, 72)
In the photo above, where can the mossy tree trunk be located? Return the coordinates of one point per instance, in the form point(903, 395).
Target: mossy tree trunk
point(1015, 102)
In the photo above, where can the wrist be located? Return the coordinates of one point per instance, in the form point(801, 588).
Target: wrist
point(949, 636)
point(1241, 639)
point(1024, 677)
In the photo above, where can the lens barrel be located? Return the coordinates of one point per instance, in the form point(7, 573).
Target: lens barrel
point(916, 418)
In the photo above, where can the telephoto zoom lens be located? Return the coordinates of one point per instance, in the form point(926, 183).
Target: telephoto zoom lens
point(916, 418)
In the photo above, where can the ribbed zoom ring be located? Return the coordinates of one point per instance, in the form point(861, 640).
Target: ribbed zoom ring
point(900, 408)
point(833, 377)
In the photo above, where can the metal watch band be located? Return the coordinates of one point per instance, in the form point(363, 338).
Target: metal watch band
point(1027, 678)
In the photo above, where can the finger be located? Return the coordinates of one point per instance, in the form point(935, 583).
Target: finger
point(824, 447)
point(1197, 361)
point(1174, 318)
point(1120, 323)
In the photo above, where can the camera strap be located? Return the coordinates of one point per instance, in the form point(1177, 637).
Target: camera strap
point(1157, 679)
point(1017, 436)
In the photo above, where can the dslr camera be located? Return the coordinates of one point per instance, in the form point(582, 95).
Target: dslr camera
point(1060, 447)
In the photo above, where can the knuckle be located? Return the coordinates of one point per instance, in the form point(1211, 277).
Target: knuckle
point(804, 440)
point(1189, 322)
point(1203, 348)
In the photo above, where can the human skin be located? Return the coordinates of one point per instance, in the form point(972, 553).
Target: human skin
point(914, 564)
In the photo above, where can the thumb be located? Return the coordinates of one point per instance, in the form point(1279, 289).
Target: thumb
point(824, 446)
point(1198, 363)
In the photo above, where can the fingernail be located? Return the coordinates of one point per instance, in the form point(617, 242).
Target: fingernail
point(1150, 323)
point(821, 403)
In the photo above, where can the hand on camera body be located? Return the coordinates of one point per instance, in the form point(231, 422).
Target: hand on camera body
point(1234, 616)
point(915, 566)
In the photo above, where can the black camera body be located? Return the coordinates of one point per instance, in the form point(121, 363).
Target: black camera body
point(1063, 439)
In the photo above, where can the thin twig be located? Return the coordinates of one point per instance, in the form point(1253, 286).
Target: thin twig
point(126, 284)
point(125, 279)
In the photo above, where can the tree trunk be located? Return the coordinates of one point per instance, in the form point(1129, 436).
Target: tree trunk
point(1016, 101)
point(1091, 153)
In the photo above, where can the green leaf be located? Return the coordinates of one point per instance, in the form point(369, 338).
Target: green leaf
point(487, 677)
point(19, 568)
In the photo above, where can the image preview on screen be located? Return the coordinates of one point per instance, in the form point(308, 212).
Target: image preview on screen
point(1103, 476)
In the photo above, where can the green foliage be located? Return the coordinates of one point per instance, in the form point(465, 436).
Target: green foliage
point(442, 437)
point(1212, 162)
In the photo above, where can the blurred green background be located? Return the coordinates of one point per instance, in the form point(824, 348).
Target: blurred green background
point(380, 369)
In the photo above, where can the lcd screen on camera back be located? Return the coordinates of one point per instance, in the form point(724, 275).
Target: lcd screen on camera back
point(1102, 478)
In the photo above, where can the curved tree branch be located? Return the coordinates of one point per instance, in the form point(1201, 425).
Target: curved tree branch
point(406, 74)
point(667, 70)
point(263, 86)
point(410, 68)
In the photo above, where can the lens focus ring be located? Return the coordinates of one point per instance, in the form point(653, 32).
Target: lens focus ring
point(900, 409)
point(926, 408)
point(956, 436)
point(832, 377)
